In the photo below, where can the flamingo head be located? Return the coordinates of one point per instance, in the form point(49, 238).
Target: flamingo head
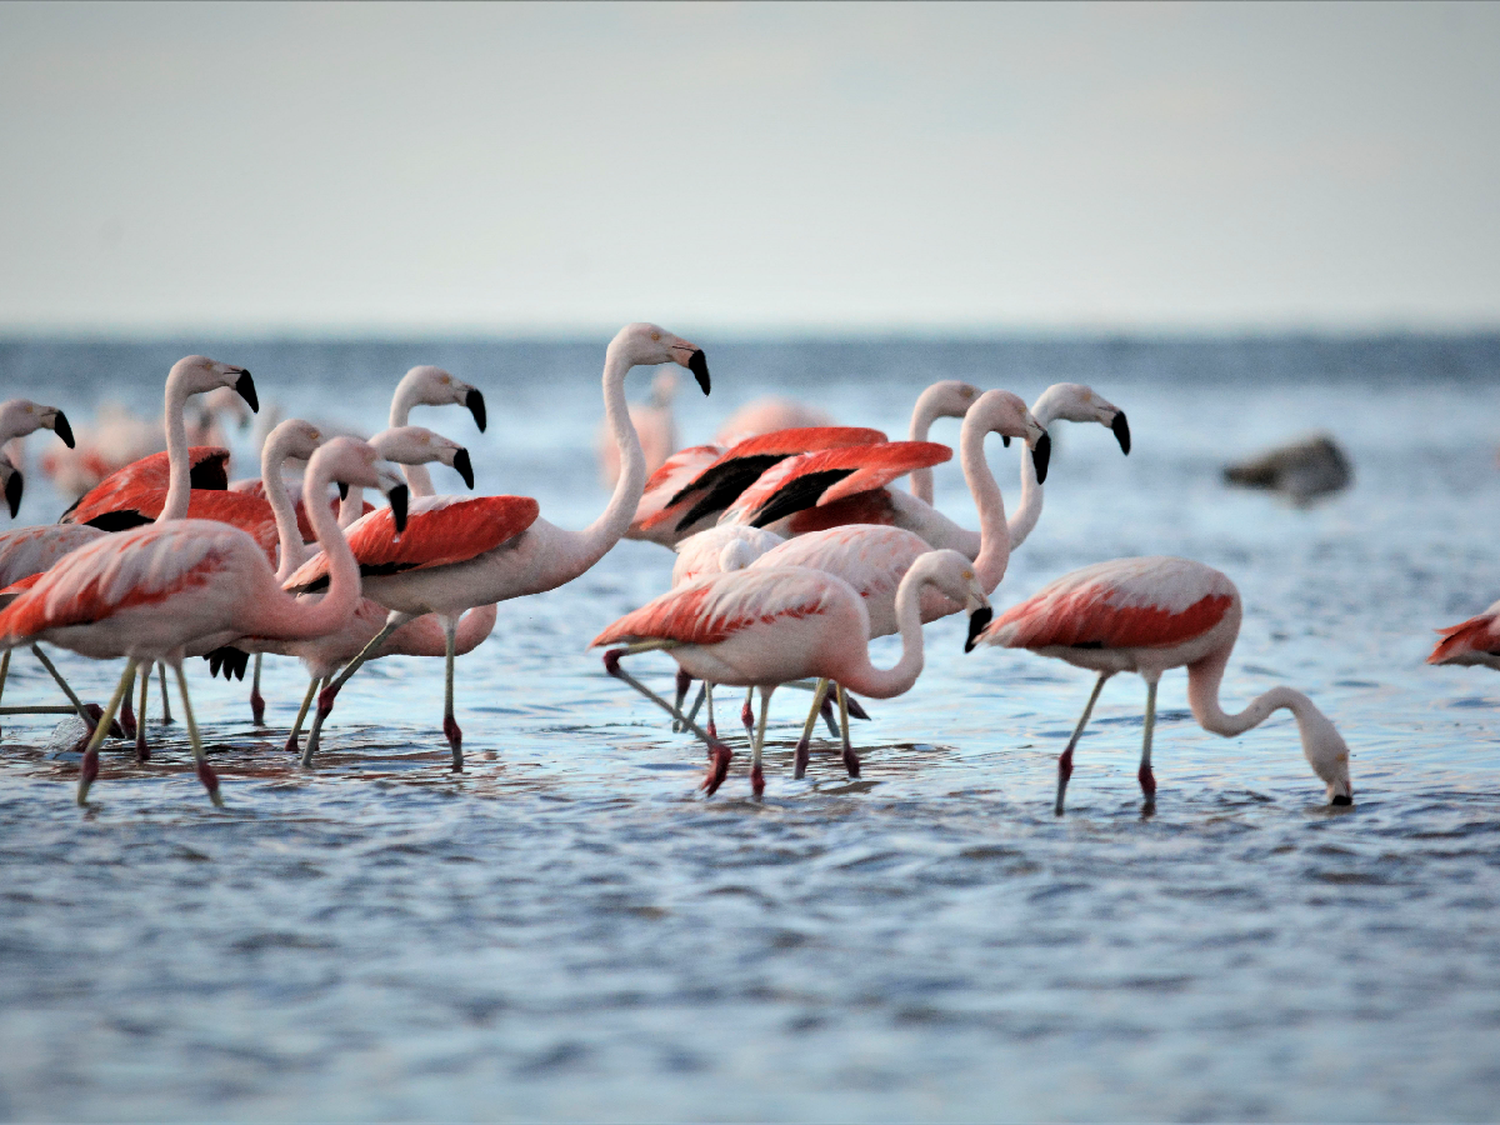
point(21, 416)
point(1074, 402)
point(955, 577)
point(413, 445)
point(947, 398)
point(432, 386)
point(1326, 751)
point(197, 374)
point(292, 438)
point(354, 462)
point(1005, 414)
point(645, 345)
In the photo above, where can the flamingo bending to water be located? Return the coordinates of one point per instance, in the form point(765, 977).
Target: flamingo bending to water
point(1147, 615)
point(148, 594)
point(764, 627)
point(463, 553)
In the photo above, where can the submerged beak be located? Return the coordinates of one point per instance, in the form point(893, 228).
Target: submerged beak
point(13, 488)
point(61, 428)
point(245, 386)
point(1122, 432)
point(462, 464)
point(475, 402)
point(1041, 454)
point(978, 621)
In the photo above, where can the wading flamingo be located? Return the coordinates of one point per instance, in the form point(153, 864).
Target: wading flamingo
point(462, 553)
point(1475, 641)
point(1146, 615)
point(149, 593)
point(761, 628)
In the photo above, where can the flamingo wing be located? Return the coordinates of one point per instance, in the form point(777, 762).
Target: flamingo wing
point(826, 476)
point(711, 610)
point(440, 531)
point(109, 505)
point(1125, 603)
point(1476, 636)
point(872, 560)
point(717, 486)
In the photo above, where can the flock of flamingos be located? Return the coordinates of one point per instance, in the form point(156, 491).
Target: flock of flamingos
point(792, 552)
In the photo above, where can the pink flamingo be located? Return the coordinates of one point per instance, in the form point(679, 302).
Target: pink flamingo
point(149, 593)
point(461, 553)
point(20, 417)
point(764, 627)
point(1146, 615)
point(1475, 641)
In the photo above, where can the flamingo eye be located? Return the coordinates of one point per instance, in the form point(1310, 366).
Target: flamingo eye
point(656, 336)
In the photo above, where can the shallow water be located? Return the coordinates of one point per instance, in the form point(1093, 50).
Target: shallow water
point(569, 930)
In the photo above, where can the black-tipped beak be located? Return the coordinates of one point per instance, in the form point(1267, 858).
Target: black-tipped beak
point(343, 491)
point(978, 621)
point(398, 507)
point(1122, 432)
point(1005, 440)
point(1342, 799)
point(13, 489)
point(464, 467)
point(246, 388)
point(698, 365)
point(475, 402)
point(1041, 454)
point(61, 428)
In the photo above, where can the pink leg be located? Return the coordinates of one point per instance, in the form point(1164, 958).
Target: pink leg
point(1065, 759)
point(142, 751)
point(127, 718)
point(718, 753)
point(747, 716)
point(851, 759)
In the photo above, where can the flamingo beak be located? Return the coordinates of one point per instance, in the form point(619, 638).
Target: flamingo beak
point(61, 428)
point(398, 496)
point(1122, 431)
point(978, 621)
point(475, 402)
point(1041, 454)
point(245, 387)
point(464, 467)
point(343, 491)
point(1005, 440)
point(13, 489)
point(697, 363)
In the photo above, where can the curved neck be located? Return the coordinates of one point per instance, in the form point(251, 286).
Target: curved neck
point(352, 506)
point(994, 537)
point(1204, 677)
point(878, 684)
point(288, 535)
point(292, 618)
point(1030, 510)
point(923, 414)
point(582, 549)
point(418, 479)
point(179, 479)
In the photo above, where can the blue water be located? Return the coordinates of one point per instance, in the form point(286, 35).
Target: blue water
point(570, 930)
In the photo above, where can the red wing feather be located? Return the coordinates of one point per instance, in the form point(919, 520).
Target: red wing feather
point(1086, 617)
point(1477, 634)
point(849, 470)
point(115, 492)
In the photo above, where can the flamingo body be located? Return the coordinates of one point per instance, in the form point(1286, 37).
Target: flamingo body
point(121, 491)
point(830, 475)
point(1475, 641)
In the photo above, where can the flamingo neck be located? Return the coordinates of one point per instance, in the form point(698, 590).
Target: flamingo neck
point(288, 534)
point(418, 479)
point(994, 538)
point(923, 415)
point(588, 546)
point(883, 684)
point(295, 618)
point(1030, 509)
point(179, 461)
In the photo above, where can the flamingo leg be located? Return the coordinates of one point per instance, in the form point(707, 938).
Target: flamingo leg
point(717, 751)
point(4, 670)
point(851, 759)
point(1065, 759)
point(747, 714)
point(1145, 776)
point(205, 771)
point(257, 701)
point(142, 751)
point(325, 708)
point(804, 744)
point(88, 770)
point(62, 683)
point(757, 776)
point(166, 700)
point(708, 694)
point(312, 690)
point(826, 710)
point(450, 724)
point(331, 689)
point(684, 681)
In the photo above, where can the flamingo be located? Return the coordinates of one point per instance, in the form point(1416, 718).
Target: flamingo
point(20, 417)
point(149, 593)
point(764, 627)
point(28, 551)
point(654, 425)
point(462, 553)
point(1475, 641)
point(1147, 615)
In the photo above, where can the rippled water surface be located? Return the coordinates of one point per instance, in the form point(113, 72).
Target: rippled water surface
point(570, 930)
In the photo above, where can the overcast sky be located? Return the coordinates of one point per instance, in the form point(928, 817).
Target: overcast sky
point(393, 168)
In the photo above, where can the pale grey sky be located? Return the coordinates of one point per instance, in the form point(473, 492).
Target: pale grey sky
point(748, 166)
